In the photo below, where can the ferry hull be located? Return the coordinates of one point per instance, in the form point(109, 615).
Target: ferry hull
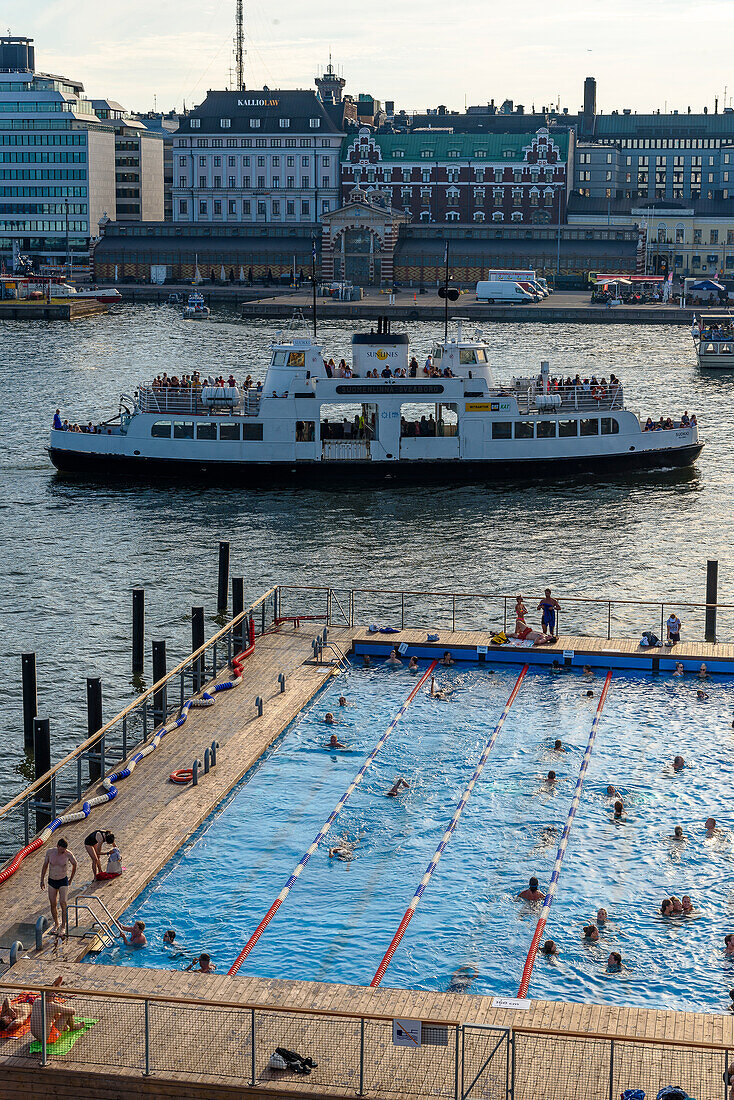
point(336, 474)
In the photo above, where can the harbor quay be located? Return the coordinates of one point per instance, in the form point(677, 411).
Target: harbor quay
point(169, 762)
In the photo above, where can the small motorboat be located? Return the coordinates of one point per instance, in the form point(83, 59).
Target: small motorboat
point(196, 309)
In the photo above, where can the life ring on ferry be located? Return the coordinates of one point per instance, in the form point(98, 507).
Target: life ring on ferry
point(596, 393)
point(183, 775)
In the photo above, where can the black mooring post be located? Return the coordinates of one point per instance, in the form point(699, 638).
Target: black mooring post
point(197, 641)
point(238, 606)
point(223, 586)
point(712, 598)
point(42, 764)
point(159, 671)
point(138, 631)
point(94, 722)
point(30, 697)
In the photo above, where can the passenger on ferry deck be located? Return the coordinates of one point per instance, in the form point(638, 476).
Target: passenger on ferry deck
point(694, 422)
point(649, 426)
point(413, 371)
point(58, 426)
point(386, 372)
point(685, 420)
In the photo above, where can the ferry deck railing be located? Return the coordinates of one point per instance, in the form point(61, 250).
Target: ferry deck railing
point(185, 399)
point(65, 783)
point(581, 616)
point(360, 1053)
point(572, 398)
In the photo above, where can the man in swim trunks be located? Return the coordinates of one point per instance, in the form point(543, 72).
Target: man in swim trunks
point(461, 979)
point(710, 826)
point(532, 893)
point(93, 843)
point(59, 1018)
point(549, 606)
point(558, 746)
point(396, 788)
point(550, 777)
point(393, 661)
point(61, 866)
point(137, 934)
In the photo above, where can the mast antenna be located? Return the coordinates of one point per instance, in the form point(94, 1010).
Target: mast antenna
point(240, 47)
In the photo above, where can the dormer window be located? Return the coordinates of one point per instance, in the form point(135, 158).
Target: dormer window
point(314, 123)
point(225, 123)
point(285, 123)
point(195, 123)
point(254, 123)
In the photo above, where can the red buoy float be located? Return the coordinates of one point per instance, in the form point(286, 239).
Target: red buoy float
point(183, 775)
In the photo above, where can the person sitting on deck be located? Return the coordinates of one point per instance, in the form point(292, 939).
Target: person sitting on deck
point(205, 964)
point(532, 893)
point(58, 1018)
point(649, 426)
point(13, 1016)
point(137, 934)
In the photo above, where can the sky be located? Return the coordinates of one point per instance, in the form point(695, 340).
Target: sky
point(644, 54)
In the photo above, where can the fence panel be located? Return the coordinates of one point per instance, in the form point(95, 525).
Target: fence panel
point(486, 1064)
point(200, 1039)
point(561, 1069)
point(332, 1044)
point(431, 1069)
point(651, 1067)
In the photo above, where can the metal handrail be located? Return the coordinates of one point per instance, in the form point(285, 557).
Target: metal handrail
point(142, 700)
point(101, 928)
point(98, 900)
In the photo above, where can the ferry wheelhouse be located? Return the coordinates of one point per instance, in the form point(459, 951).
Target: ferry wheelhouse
point(376, 419)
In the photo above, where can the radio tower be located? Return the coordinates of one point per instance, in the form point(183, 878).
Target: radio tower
point(240, 47)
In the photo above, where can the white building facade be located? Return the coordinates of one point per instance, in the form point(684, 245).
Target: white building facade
point(257, 157)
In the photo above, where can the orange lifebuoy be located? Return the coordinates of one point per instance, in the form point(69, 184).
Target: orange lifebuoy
point(183, 775)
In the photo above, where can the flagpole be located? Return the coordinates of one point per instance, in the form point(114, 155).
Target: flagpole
point(446, 299)
point(313, 284)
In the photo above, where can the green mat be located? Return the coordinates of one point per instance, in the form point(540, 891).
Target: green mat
point(67, 1040)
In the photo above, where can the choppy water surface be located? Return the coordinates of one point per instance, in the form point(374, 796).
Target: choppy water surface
point(70, 553)
point(341, 916)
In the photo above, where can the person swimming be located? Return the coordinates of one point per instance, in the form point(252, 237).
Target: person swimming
point(551, 777)
point(447, 659)
point(614, 962)
point(679, 669)
point(703, 673)
point(343, 849)
point(729, 945)
point(601, 916)
point(462, 978)
point(678, 833)
point(558, 746)
point(619, 809)
point(532, 893)
point(396, 788)
point(589, 694)
point(710, 826)
point(666, 907)
point(702, 695)
point(335, 743)
point(549, 948)
point(342, 701)
point(678, 763)
point(677, 906)
point(393, 661)
point(413, 665)
point(611, 791)
point(329, 718)
point(591, 933)
point(440, 693)
point(366, 661)
point(687, 904)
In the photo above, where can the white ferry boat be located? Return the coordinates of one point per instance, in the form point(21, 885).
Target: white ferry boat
point(382, 417)
point(195, 309)
point(713, 338)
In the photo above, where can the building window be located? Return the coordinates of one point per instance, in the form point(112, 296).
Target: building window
point(276, 181)
point(290, 181)
point(290, 207)
point(261, 162)
point(714, 236)
point(479, 216)
point(217, 206)
point(276, 207)
point(426, 154)
point(202, 206)
point(246, 182)
point(225, 123)
point(182, 181)
point(314, 123)
point(246, 206)
point(680, 234)
point(232, 207)
point(261, 183)
point(276, 162)
point(325, 206)
point(217, 181)
point(516, 216)
point(498, 216)
point(324, 181)
point(261, 209)
point(195, 123)
point(398, 153)
point(202, 181)
point(452, 216)
point(697, 238)
point(183, 207)
point(304, 181)
point(285, 123)
point(202, 162)
point(231, 181)
point(305, 207)
point(182, 162)
point(254, 123)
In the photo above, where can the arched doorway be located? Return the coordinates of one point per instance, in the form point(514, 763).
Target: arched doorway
point(357, 257)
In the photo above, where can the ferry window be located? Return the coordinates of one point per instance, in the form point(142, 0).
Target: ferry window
point(609, 426)
point(206, 431)
point(437, 354)
point(481, 355)
point(183, 429)
point(567, 428)
point(297, 359)
point(161, 429)
point(448, 420)
point(501, 429)
point(590, 427)
point(229, 432)
point(252, 432)
point(348, 422)
point(546, 429)
point(279, 359)
point(305, 431)
point(524, 429)
point(467, 355)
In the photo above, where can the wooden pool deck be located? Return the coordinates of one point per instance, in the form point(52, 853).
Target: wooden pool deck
point(152, 817)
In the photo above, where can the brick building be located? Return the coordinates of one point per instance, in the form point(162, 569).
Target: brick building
point(441, 177)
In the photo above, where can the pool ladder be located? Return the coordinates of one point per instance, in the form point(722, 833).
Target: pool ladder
point(342, 661)
point(105, 926)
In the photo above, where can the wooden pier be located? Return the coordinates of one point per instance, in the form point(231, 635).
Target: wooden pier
point(579, 1048)
point(58, 309)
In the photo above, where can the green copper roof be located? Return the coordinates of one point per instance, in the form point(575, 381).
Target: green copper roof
point(462, 146)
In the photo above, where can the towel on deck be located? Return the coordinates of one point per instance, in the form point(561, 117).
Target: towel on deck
point(67, 1039)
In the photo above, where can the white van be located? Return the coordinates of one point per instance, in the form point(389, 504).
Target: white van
point(499, 290)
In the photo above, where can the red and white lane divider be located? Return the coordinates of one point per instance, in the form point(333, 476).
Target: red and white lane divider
point(408, 915)
point(325, 827)
point(548, 901)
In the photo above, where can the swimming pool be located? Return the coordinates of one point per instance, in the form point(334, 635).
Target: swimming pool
point(340, 917)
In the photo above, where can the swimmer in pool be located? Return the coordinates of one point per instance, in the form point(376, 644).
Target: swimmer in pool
point(702, 695)
point(342, 701)
point(137, 934)
point(550, 777)
point(601, 916)
point(549, 948)
point(687, 905)
point(343, 849)
point(666, 907)
point(440, 693)
point(175, 949)
point(335, 743)
point(703, 673)
point(589, 694)
point(329, 718)
point(619, 809)
point(614, 962)
point(731, 1008)
point(397, 786)
point(591, 933)
point(366, 662)
point(548, 837)
point(447, 659)
point(729, 945)
point(611, 791)
point(710, 826)
point(677, 906)
point(461, 979)
point(678, 833)
point(587, 670)
point(532, 893)
point(393, 661)
point(678, 763)
point(558, 746)
point(679, 669)
point(413, 664)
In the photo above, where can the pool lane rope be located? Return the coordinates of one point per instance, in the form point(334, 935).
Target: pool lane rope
point(415, 901)
point(111, 792)
point(548, 900)
point(326, 826)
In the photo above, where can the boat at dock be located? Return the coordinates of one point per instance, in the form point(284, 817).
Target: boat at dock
point(713, 339)
point(381, 418)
